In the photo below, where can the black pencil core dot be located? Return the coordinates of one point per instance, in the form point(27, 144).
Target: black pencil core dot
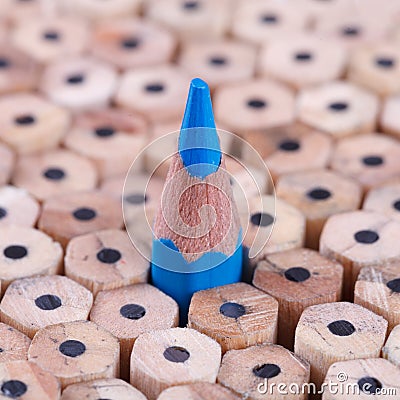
point(176, 354)
point(369, 385)
point(108, 256)
point(130, 43)
point(269, 19)
point(136, 198)
point(218, 61)
point(289, 145)
point(396, 205)
point(14, 389)
point(232, 310)
point(341, 328)
point(350, 31)
point(385, 62)
point(261, 219)
point(266, 371)
point(4, 62)
point(25, 119)
point(3, 212)
point(297, 274)
point(256, 103)
point(1, 350)
point(15, 252)
point(394, 285)
point(190, 5)
point(132, 311)
point(48, 302)
point(51, 36)
point(75, 79)
point(104, 131)
point(54, 174)
point(338, 106)
point(319, 194)
point(372, 161)
point(155, 88)
point(303, 56)
point(84, 214)
point(366, 237)
point(72, 348)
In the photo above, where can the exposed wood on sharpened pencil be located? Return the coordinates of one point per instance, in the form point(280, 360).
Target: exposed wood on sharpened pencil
point(391, 350)
point(14, 344)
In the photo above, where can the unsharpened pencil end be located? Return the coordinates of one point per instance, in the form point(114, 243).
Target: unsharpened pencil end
point(199, 145)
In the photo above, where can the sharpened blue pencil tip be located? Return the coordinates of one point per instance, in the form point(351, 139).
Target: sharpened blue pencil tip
point(199, 145)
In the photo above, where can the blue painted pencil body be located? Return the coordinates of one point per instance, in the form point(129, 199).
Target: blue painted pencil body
point(200, 154)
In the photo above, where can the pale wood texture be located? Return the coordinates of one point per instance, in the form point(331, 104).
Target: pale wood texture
point(273, 225)
point(371, 159)
point(14, 344)
point(25, 380)
point(358, 239)
point(132, 43)
point(367, 69)
point(87, 261)
point(23, 71)
point(244, 370)
point(198, 391)
point(290, 148)
point(24, 308)
point(353, 27)
point(7, 159)
point(206, 20)
point(338, 108)
point(219, 62)
point(148, 91)
point(54, 173)
point(368, 378)
point(384, 199)
point(261, 22)
point(130, 311)
point(19, 207)
point(99, 11)
point(302, 60)
point(318, 194)
point(58, 220)
point(391, 350)
point(99, 359)
point(31, 124)
point(252, 105)
point(111, 389)
point(327, 333)
point(26, 252)
point(79, 83)
point(152, 372)
point(65, 37)
point(110, 138)
point(297, 278)
point(377, 289)
point(389, 118)
point(252, 318)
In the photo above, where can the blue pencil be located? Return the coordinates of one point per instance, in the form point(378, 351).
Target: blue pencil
point(197, 233)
